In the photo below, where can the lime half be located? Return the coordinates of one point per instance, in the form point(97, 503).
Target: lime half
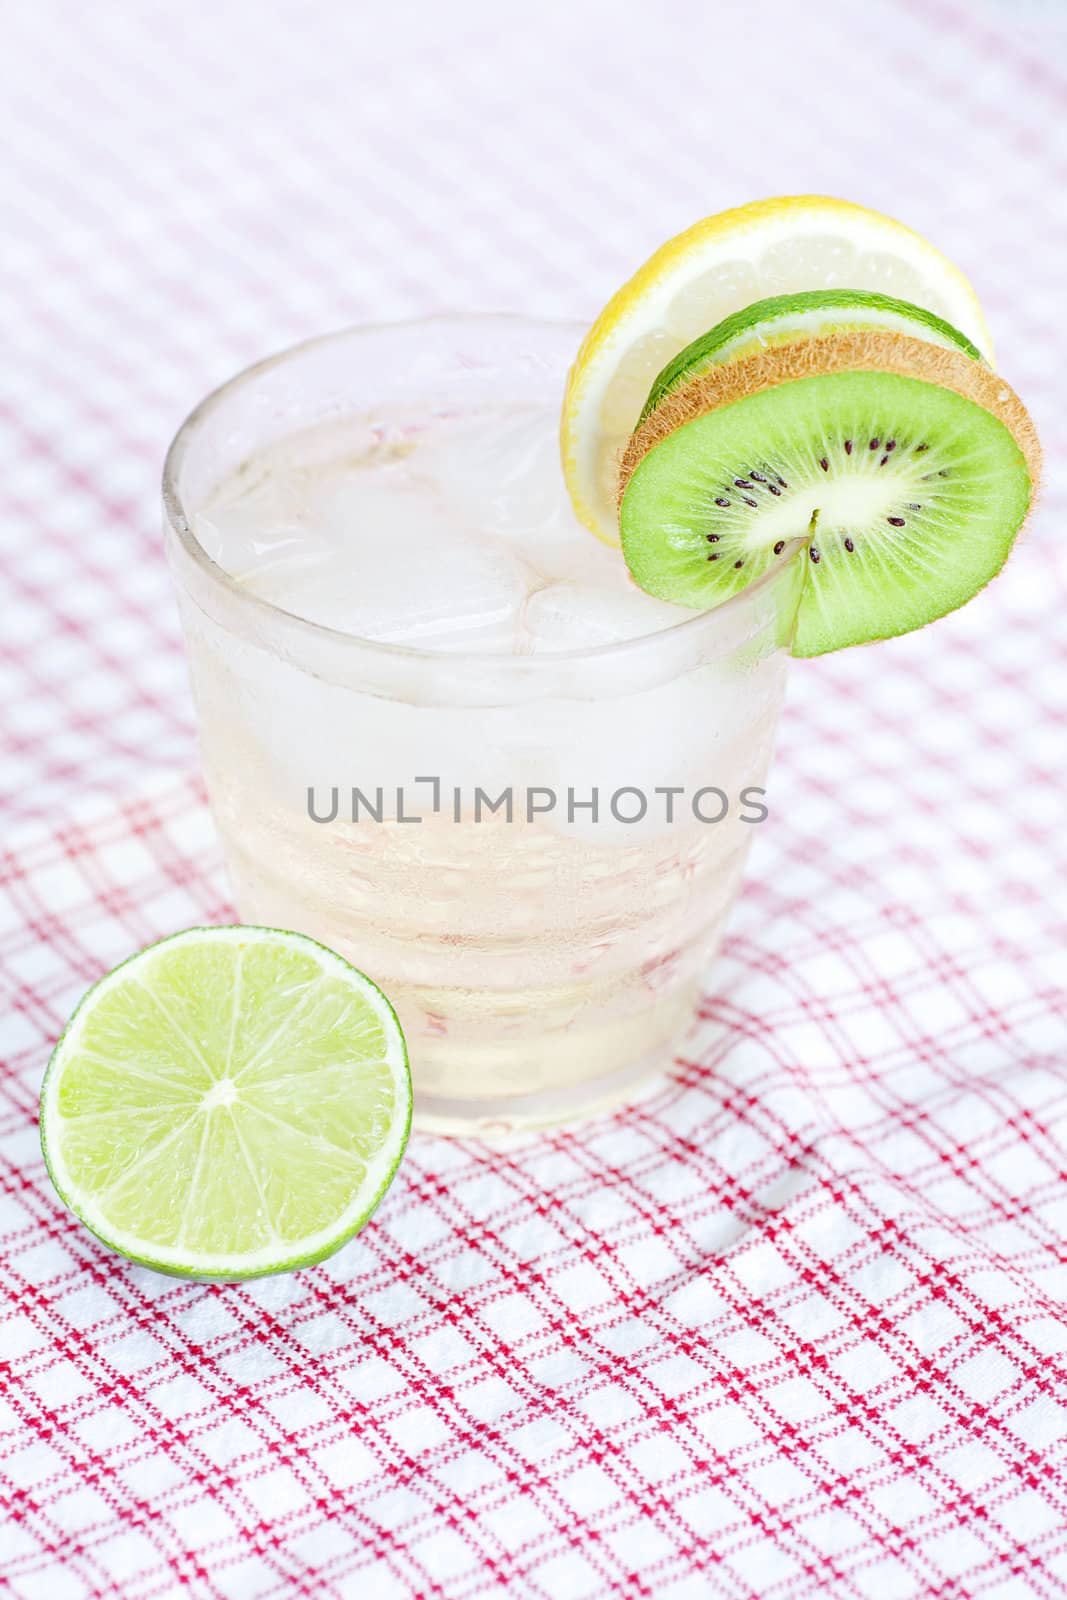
point(228, 1103)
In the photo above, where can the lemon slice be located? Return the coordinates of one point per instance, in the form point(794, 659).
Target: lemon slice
point(719, 266)
point(229, 1102)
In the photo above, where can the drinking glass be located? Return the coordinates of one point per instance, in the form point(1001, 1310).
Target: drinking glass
point(545, 957)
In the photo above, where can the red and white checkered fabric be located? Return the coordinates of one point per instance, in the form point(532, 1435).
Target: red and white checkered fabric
point(795, 1326)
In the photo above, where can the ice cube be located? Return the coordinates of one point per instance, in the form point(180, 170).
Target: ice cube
point(605, 607)
point(372, 553)
point(502, 476)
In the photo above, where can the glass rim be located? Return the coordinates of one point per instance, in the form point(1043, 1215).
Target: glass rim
point(263, 615)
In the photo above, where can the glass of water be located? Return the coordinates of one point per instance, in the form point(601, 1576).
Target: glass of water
point(442, 731)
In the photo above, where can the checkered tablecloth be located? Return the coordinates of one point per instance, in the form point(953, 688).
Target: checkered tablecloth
point(794, 1326)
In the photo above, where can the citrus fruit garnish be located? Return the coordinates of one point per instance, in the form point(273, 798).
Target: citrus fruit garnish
point(788, 318)
point(228, 1103)
point(771, 247)
point(909, 466)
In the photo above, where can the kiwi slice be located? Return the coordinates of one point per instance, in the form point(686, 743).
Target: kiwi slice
point(785, 318)
point(909, 468)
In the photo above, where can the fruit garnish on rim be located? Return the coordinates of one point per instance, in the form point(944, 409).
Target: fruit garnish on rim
point(858, 411)
point(789, 318)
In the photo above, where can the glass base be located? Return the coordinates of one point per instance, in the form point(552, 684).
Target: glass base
point(552, 1108)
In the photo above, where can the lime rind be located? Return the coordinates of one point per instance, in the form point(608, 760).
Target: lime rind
point(280, 1254)
point(783, 318)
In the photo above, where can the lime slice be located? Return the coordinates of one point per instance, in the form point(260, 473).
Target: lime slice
point(787, 318)
point(721, 264)
point(228, 1103)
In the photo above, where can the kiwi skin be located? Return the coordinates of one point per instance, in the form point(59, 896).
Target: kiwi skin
point(875, 351)
point(701, 353)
